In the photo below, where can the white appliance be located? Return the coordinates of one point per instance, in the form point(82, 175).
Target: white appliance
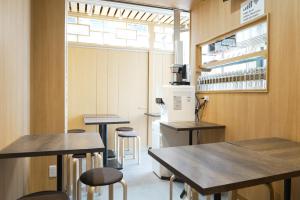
point(179, 105)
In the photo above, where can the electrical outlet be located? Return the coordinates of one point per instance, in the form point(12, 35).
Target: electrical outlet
point(206, 98)
point(52, 171)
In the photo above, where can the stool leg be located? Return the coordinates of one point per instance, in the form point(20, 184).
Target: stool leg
point(271, 190)
point(134, 148)
point(111, 192)
point(118, 148)
point(74, 178)
point(127, 145)
point(139, 149)
point(78, 195)
point(122, 150)
point(189, 192)
point(124, 185)
point(90, 194)
point(69, 171)
point(116, 138)
point(171, 186)
point(88, 161)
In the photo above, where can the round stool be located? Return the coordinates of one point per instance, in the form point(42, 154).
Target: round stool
point(46, 195)
point(121, 129)
point(136, 146)
point(102, 177)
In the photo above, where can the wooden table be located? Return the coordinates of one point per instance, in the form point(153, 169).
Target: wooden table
point(50, 145)
point(222, 167)
point(191, 126)
point(286, 150)
point(103, 121)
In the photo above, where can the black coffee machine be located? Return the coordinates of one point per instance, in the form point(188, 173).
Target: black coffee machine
point(179, 74)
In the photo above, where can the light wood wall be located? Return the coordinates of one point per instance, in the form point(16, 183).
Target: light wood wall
point(47, 82)
point(247, 116)
point(14, 89)
point(107, 81)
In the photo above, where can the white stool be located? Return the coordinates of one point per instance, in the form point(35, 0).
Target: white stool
point(122, 135)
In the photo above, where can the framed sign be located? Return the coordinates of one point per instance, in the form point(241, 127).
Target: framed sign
point(252, 9)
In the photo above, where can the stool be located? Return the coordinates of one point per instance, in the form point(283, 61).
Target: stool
point(121, 129)
point(76, 161)
point(46, 195)
point(136, 140)
point(102, 177)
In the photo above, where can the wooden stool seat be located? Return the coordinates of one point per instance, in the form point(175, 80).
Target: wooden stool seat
point(101, 177)
point(46, 195)
point(76, 131)
point(127, 134)
point(79, 156)
point(124, 129)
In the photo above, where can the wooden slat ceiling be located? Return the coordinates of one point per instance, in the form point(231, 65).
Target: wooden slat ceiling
point(110, 10)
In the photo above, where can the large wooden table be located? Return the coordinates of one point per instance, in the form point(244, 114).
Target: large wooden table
point(102, 121)
point(53, 145)
point(222, 167)
point(191, 126)
point(285, 150)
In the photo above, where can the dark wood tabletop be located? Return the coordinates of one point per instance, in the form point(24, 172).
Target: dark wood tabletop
point(104, 119)
point(190, 125)
point(276, 147)
point(56, 144)
point(222, 167)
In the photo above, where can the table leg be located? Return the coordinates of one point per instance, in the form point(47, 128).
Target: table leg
point(217, 196)
point(103, 134)
point(287, 189)
point(190, 137)
point(59, 178)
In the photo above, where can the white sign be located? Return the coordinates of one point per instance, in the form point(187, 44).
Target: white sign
point(252, 9)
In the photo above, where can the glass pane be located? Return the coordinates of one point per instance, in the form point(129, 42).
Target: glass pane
point(112, 26)
point(110, 39)
point(158, 29)
point(95, 37)
point(72, 20)
point(140, 28)
point(78, 29)
point(72, 38)
point(126, 34)
point(141, 42)
point(95, 25)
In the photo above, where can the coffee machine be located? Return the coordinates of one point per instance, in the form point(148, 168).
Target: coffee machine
point(179, 74)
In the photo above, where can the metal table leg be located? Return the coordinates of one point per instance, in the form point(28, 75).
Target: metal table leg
point(103, 134)
point(183, 193)
point(190, 137)
point(287, 189)
point(59, 178)
point(217, 196)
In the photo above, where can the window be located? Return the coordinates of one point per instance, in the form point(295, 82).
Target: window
point(163, 37)
point(107, 32)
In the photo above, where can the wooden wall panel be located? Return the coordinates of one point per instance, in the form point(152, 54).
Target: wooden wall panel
point(82, 90)
point(245, 115)
point(47, 81)
point(14, 87)
point(103, 80)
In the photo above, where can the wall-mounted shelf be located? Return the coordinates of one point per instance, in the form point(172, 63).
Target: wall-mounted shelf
point(236, 61)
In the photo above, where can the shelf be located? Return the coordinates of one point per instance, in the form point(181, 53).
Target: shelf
point(238, 60)
point(233, 91)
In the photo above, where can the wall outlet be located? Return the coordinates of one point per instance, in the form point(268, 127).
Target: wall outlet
point(206, 98)
point(52, 171)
